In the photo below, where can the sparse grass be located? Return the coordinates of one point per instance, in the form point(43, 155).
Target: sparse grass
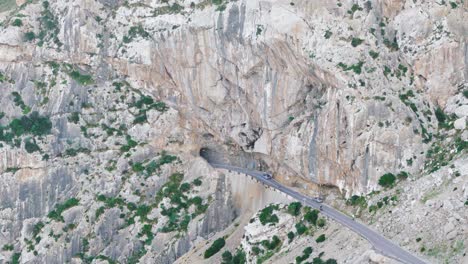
point(430, 195)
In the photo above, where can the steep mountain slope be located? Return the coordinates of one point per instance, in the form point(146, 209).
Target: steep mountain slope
point(106, 105)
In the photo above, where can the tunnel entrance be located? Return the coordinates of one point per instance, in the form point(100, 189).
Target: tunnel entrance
point(232, 157)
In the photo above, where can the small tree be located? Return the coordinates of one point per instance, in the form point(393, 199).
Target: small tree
point(300, 228)
point(294, 208)
point(320, 239)
point(17, 23)
point(387, 180)
point(312, 216)
point(403, 175)
point(227, 257)
point(356, 42)
point(29, 36)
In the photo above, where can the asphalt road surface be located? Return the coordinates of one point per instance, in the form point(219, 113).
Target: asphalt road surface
point(380, 243)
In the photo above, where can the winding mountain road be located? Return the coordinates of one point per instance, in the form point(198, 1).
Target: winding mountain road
point(380, 243)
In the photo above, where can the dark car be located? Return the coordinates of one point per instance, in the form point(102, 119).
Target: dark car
point(267, 175)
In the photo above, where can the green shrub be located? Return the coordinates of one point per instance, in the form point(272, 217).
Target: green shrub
point(33, 124)
point(73, 152)
point(357, 200)
point(256, 250)
point(356, 42)
point(373, 54)
point(29, 36)
point(454, 5)
point(30, 145)
point(134, 32)
point(294, 208)
point(356, 68)
point(138, 167)
point(403, 175)
point(99, 211)
point(465, 93)
point(8, 247)
point(354, 8)
point(392, 45)
point(321, 222)
point(267, 216)
point(197, 182)
point(311, 216)
point(387, 180)
point(273, 244)
point(82, 79)
point(185, 187)
point(140, 119)
point(37, 228)
point(60, 208)
point(440, 115)
point(217, 245)
point(15, 258)
point(290, 236)
point(17, 23)
point(305, 255)
point(328, 34)
point(238, 258)
point(300, 228)
point(226, 257)
point(74, 117)
point(320, 239)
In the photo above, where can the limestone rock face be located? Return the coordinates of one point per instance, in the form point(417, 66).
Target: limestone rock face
point(105, 104)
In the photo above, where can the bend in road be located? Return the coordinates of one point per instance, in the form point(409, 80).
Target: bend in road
point(380, 243)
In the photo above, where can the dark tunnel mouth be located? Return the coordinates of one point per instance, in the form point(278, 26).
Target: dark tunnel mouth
point(205, 154)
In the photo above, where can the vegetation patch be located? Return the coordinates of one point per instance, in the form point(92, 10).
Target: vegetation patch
point(267, 215)
point(82, 79)
point(356, 42)
point(134, 32)
point(60, 208)
point(49, 29)
point(238, 258)
point(294, 208)
point(217, 245)
point(305, 255)
point(320, 238)
point(387, 180)
point(356, 68)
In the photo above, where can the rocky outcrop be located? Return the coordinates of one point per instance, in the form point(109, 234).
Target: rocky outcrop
point(99, 96)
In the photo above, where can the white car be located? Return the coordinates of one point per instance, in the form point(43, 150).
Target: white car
point(318, 199)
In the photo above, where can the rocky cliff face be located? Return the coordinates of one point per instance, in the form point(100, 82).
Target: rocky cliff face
point(106, 103)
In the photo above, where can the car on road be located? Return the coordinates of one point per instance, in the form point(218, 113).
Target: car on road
point(267, 175)
point(318, 199)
